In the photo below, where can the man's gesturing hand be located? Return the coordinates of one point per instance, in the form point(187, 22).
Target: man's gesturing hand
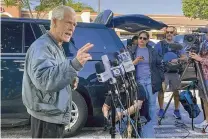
point(82, 55)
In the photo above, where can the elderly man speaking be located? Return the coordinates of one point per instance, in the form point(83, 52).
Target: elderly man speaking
point(49, 77)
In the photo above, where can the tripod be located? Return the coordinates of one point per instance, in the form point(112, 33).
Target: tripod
point(198, 70)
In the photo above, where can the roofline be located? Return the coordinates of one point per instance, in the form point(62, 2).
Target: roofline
point(32, 20)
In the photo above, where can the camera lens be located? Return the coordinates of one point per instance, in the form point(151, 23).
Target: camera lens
point(190, 39)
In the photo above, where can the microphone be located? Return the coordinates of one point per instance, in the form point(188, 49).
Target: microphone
point(102, 75)
point(116, 55)
point(125, 59)
point(117, 69)
point(129, 67)
point(107, 67)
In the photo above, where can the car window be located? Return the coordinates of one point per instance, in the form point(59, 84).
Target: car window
point(29, 36)
point(11, 37)
point(47, 26)
point(100, 37)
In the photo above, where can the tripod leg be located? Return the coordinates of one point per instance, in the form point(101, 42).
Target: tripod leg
point(186, 68)
point(204, 87)
point(202, 105)
point(159, 121)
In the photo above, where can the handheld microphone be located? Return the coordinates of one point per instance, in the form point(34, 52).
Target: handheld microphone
point(102, 75)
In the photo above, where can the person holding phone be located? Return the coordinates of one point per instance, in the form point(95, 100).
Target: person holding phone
point(150, 74)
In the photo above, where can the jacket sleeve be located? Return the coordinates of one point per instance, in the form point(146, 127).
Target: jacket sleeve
point(46, 74)
point(158, 48)
point(204, 61)
point(160, 65)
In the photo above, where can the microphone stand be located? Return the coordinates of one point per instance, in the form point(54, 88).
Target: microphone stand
point(135, 90)
point(113, 120)
point(128, 100)
point(128, 116)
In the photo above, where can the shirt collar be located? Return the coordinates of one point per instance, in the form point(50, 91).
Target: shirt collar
point(52, 38)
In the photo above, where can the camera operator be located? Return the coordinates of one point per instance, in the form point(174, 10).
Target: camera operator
point(49, 77)
point(171, 79)
point(203, 59)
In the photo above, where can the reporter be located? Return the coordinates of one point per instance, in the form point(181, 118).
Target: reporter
point(150, 74)
point(203, 59)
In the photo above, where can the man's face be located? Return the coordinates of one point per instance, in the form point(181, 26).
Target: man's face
point(65, 28)
point(135, 42)
point(169, 33)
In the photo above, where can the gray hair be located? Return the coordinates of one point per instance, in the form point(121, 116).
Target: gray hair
point(58, 12)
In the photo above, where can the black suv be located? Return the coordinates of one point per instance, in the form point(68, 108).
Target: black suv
point(17, 36)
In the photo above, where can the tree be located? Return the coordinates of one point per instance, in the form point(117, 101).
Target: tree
point(42, 7)
point(195, 8)
point(78, 6)
point(20, 3)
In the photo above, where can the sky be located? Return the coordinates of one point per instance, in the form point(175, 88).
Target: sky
point(164, 7)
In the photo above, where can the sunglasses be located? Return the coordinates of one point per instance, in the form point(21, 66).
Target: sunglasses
point(143, 38)
point(169, 32)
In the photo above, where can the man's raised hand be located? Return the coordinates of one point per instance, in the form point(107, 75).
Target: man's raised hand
point(82, 55)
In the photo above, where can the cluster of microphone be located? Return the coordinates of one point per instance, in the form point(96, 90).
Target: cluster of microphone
point(119, 70)
point(119, 75)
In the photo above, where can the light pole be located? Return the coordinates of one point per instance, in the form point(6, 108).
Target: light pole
point(98, 6)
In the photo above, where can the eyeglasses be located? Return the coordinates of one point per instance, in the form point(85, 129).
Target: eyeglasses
point(143, 38)
point(169, 32)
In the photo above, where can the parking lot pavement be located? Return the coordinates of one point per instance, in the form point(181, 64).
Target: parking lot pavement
point(170, 127)
point(164, 131)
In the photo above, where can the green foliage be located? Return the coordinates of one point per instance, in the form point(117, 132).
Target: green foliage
point(44, 6)
point(78, 6)
point(195, 8)
point(47, 5)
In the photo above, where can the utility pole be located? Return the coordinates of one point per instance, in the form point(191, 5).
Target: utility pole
point(98, 6)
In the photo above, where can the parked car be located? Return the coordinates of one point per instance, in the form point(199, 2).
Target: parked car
point(17, 36)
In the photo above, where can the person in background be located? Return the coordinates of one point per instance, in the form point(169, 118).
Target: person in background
point(203, 59)
point(134, 40)
point(49, 77)
point(171, 79)
point(150, 74)
point(133, 45)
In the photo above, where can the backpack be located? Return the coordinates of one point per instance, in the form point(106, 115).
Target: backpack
point(168, 66)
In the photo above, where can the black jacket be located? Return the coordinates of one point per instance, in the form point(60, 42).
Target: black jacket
point(156, 67)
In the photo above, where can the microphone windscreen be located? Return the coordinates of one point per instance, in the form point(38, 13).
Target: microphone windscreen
point(99, 67)
point(115, 63)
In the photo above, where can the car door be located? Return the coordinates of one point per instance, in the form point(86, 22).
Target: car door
point(105, 42)
point(11, 69)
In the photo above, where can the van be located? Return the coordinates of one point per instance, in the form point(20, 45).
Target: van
point(17, 36)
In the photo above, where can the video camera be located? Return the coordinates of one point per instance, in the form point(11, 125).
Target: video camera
point(192, 42)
